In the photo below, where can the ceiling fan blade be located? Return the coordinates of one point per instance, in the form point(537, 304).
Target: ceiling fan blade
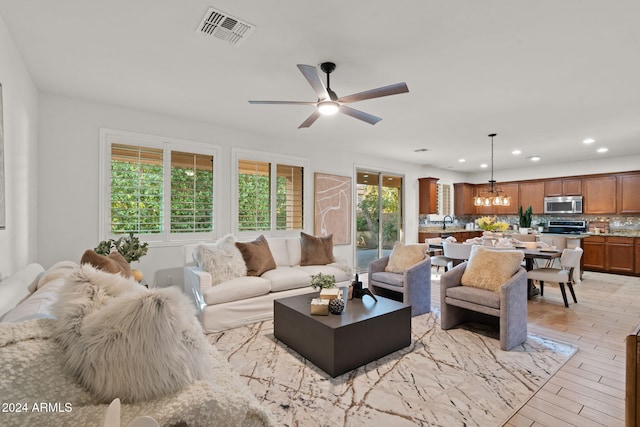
point(360, 115)
point(311, 74)
point(283, 102)
point(376, 93)
point(310, 120)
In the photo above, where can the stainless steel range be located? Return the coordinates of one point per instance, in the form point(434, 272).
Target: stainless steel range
point(567, 227)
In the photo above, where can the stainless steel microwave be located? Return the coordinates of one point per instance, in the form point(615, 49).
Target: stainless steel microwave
point(563, 205)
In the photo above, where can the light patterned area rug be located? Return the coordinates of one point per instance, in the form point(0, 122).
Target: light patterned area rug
point(444, 378)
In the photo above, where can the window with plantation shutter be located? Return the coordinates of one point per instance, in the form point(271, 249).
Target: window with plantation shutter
point(191, 192)
point(289, 197)
point(254, 195)
point(270, 193)
point(158, 188)
point(136, 189)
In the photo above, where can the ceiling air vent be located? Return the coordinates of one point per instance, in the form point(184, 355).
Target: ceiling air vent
point(225, 27)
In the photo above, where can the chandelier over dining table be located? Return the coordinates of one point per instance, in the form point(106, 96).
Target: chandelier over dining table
point(493, 197)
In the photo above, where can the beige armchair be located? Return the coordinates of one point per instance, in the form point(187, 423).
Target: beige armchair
point(505, 307)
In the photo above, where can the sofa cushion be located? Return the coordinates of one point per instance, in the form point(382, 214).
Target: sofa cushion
point(404, 256)
point(257, 256)
point(393, 279)
point(221, 259)
point(489, 269)
point(475, 296)
point(316, 250)
point(112, 263)
point(237, 289)
point(279, 250)
point(294, 247)
point(284, 278)
point(17, 287)
point(340, 275)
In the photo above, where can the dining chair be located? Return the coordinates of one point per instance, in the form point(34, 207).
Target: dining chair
point(437, 258)
point(456, 252)
point(569, 260)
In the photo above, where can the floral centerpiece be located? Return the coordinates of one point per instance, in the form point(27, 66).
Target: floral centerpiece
point(490, 223)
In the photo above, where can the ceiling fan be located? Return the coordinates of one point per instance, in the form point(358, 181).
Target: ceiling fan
point(329, 103)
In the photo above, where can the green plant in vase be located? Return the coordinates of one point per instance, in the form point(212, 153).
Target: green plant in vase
point(128, 246)
point(525, 217)
point(322, 281)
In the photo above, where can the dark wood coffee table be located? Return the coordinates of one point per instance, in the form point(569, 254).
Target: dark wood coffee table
point(339, 343)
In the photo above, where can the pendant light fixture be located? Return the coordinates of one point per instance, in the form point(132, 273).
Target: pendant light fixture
point(493, 197)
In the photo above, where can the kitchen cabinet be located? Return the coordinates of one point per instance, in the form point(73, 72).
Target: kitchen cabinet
point(563, 187)
point(599, 195)
point(428, 196)
point(594, 253)
point(637, 254)
point(629, 194)
point(463, 199)
point(532, 194)
point(510, 190)
point(620, 254)
point(422, 236)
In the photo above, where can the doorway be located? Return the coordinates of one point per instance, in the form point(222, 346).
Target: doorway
point(379, 218)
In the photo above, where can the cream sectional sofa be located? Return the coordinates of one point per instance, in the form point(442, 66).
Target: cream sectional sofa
point(249, 299)
point(31, 370)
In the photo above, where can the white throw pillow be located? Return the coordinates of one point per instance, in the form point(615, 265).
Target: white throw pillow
point(122, 340)
point(222, 259)
point(489, 269)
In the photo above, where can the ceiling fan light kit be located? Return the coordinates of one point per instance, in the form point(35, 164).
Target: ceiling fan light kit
point(328, 102)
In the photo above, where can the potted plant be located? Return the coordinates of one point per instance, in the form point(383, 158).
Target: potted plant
point(525, 219)
point(129, 247)
point(323, 281)
point(541, 224)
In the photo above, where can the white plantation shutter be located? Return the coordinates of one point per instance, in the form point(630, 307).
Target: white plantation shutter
point(191, 192)
point(289, 197)
point(136, 189)
point(254, 195)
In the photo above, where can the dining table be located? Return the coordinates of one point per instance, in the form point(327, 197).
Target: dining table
point(530, 255)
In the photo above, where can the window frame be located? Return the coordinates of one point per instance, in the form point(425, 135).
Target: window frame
point(273, 159)
point(166, 237)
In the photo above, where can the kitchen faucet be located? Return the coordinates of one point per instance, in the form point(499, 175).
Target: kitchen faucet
point(444, 221)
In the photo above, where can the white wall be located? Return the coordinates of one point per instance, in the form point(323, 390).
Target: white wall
point(68, 182)
point(18, 242)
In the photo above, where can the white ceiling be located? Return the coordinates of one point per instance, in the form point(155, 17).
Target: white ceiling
point(541, 74)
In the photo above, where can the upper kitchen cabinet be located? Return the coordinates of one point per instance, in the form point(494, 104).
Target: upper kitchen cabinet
point(532, 194)
point(599, 195)
point(463, 199)
point(483, 210)
point(510, 190)
point(629, 194)
point(428, 196)
point(563, 187)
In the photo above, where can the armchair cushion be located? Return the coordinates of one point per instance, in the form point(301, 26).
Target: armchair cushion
point(404, 256)
point(488, 269)
point(393, 279)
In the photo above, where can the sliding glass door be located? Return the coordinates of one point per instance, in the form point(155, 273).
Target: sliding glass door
point(378, 215)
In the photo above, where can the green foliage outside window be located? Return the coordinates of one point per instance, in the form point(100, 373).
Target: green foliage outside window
point(137, 199)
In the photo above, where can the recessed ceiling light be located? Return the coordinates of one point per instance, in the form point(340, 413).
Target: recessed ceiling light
point(516, 152)
point(461, 160)
point(602, 150)
point(484, 165)
point(588, 141)
point(420, 150)
point(534, 158)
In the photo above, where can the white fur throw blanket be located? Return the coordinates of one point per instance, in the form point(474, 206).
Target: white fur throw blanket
point(36, 391)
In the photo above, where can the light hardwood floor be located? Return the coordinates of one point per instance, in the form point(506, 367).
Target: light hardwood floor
point(590, 389)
